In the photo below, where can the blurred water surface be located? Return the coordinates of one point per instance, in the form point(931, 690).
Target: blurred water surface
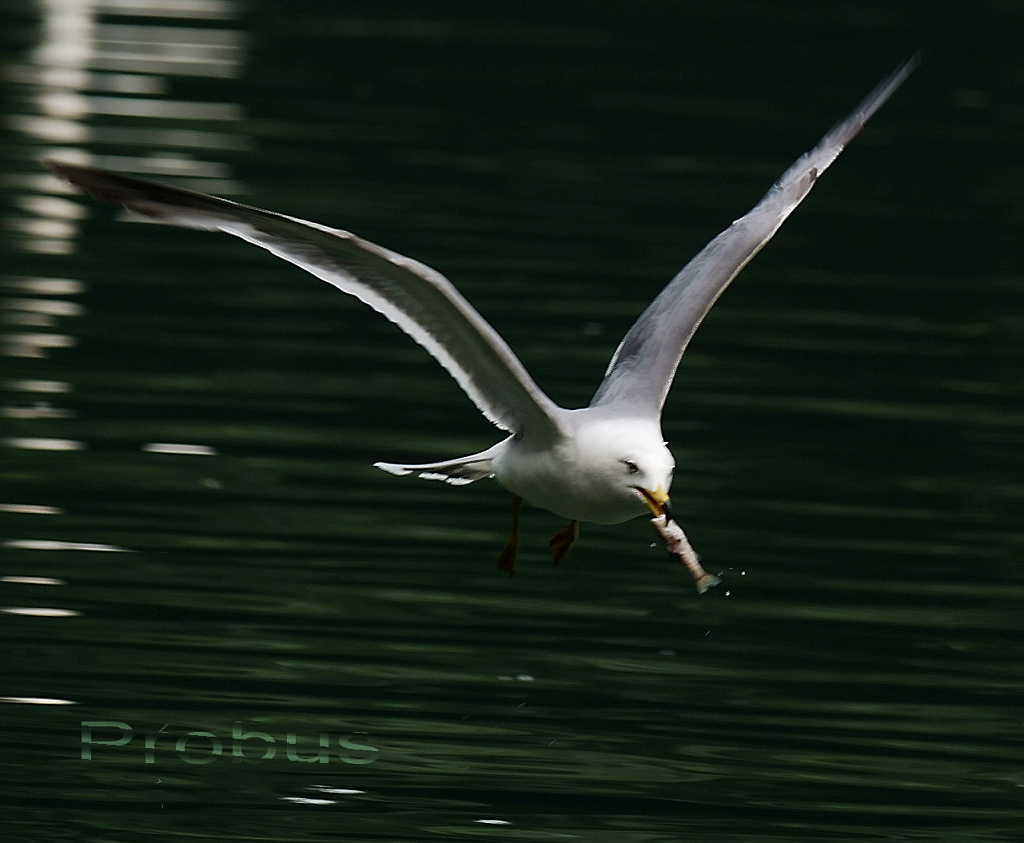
point(199, 560)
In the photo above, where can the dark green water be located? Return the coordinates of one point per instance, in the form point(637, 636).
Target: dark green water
point(847, 426)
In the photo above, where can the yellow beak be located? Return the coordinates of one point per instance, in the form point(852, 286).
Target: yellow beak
point(656, 501)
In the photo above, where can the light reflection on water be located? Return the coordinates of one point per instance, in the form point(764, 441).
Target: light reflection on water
point(841, 441)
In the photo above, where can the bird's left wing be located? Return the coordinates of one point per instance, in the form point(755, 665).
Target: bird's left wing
point(642, 369)
point(418, 299)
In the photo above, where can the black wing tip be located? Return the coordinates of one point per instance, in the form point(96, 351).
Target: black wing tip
point(76, 174)
point(81, 175)
point(148, 198)
point(59, 168)
point(102, 184)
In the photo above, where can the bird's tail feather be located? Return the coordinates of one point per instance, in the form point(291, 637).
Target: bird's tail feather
point(457, 472)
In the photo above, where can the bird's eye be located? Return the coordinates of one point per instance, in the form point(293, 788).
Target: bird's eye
point(632, 467)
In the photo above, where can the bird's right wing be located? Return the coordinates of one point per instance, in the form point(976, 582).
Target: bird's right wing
point(642, 369)
point(418, 299)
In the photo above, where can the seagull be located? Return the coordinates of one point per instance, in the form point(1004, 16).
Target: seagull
point(605, 463)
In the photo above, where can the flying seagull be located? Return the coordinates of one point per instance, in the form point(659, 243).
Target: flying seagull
point(605, 463)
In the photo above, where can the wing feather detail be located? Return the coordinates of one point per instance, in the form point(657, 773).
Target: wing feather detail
point(641, 371)
point(417, 298)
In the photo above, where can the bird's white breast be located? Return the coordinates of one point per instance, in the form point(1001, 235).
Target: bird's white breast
point(580, 477)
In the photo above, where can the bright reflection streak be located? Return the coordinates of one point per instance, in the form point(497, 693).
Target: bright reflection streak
point(50, 544)
point(52, 215)
point(32, 581)
point(30, 509)
point(40, 612)
point(39, 411)
point(38, 443)
point(164, 109)
point(176, 448)
point(128, 83)
point(26, 320)
point(51, 129)
point(84, 65)
point(47, 387)
point(342, 791)
point(44, 229)
point(37, 701)
point(45, 286)
point(188, 51)
point(64, 105)
point(48, 307)
point(34, 344)
point(57, 72)
point(52, 206)
point(193, 9)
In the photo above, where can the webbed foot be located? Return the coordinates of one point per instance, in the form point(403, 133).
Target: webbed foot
point(562, 541)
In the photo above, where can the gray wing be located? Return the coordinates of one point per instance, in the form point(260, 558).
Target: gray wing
point(643, 366)
point(418, 299)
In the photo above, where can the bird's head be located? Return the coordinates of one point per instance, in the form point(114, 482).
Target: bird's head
point(630, 461)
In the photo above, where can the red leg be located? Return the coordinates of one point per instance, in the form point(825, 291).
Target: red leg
point(510, 552)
